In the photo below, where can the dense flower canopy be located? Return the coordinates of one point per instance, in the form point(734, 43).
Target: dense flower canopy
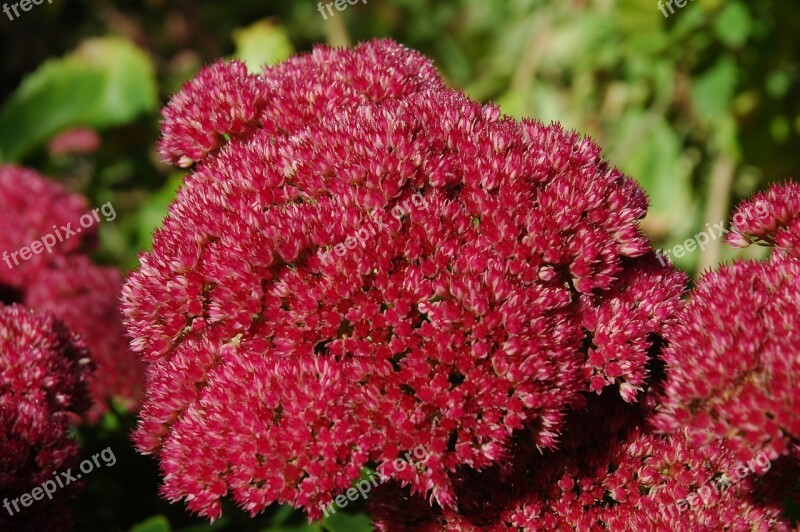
point(65, 282)
point(44, 372)
point(733, 363)
point(609, 474)
point(363, 261)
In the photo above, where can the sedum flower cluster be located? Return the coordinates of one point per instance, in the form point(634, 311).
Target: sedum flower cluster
point(363, 261)
point(44, 376)
point(734, 361)
point(62, 279)
point(520, 281)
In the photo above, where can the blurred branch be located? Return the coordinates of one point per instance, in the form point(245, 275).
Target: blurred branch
point(336, 31)
point(530, 57)
point(717, 205)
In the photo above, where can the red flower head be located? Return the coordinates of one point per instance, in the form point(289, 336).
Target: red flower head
point(31, 207)
point(65, 281)
point(86, 298)
point(772, 218)
point(733, 363)
point(44, 371)
point(363, 262)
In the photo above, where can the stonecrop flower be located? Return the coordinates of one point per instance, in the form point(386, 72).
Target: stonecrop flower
point(44, 372)
point(733, 362)
point(363, 261)
point(609, 474)
point(65, 282)
point(780, 228)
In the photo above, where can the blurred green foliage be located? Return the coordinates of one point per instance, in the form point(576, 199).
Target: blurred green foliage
point(702, 108)
point(105, 82)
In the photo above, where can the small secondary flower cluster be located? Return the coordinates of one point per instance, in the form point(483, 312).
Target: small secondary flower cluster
point(49, 241)
point(64, 281)
point(733, 370)
point(44, 373)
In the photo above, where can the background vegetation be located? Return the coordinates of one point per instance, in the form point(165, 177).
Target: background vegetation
point(702, 108)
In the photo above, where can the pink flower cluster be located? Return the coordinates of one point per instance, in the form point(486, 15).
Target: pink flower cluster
point(781, 229)
point(44, 373)
point(66, 282)
point(733, 363)
point(276, 376)
point(728, 397)
point(610, 473)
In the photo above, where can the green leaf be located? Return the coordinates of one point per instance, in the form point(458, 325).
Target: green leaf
point(158, 523)
point(713, 91)
point(734, 25)
point(314, 527)
point(262, 43)
point(341, 522)
point(152, 214)
point(104, 82)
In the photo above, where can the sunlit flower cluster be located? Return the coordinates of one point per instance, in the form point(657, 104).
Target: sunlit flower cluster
point(733, 363)
point(276, 374)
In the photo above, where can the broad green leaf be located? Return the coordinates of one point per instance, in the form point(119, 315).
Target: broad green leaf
point(104, 82)
point(341, 522)
point(158, 523)
point(713, 91)
point(262, 43)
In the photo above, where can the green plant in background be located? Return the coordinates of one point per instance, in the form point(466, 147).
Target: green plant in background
point(104, 82)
